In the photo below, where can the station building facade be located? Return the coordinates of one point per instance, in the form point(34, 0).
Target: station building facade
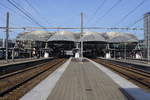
point(147, 34)
point(95, 44)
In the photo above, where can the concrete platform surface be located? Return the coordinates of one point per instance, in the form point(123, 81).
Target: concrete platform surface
point(131, 89)
point(134, 62)
point(85, 81)
point(44, 88)
point(19, 61)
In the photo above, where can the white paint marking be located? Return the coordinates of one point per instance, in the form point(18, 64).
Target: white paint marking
point(133, 90)
point(44, 88)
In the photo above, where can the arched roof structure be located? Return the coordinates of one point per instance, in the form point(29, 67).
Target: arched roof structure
point(62, 36)
point(92, 36)
point(34, 36)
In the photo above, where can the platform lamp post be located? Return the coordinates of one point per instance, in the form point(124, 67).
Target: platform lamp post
point(81, 41)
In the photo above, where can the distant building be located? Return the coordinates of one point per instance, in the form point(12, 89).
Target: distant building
point(147, 34)
point(67, 43)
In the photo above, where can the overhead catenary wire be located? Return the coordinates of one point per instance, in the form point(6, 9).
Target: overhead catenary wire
point(4, 6)
point(130, 12)
point(36, 11)
point(31, 6)
point(15, 12)
point(106, 28)
point(39, 25)
point(109, 10)
point(19, 6)
point(97, 10)
point(135, 22)
point(25, 13)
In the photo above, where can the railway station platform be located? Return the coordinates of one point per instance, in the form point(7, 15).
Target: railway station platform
point(85, 80)
point(129, 61)
point(18, 61)
point(10, 61)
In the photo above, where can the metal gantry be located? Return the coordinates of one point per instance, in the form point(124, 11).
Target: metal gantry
point(78, 28)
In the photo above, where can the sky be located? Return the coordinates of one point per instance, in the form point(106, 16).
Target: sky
point(66, 13)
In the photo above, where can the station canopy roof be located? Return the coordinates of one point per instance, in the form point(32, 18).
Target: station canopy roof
point(92, 36)
point(118, 37)
point(88, 36)
point(62, 36)
point(34, 36)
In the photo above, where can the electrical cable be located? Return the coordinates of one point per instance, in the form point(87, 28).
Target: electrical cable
point(36, 11)
point(96, 11)
point(129, 13)
point(137, 21)
point(109, 10)
point(24, 12)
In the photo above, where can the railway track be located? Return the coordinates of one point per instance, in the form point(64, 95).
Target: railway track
point(132, 61)
point(137, 76)
point(16, 84)
point(138, 61)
